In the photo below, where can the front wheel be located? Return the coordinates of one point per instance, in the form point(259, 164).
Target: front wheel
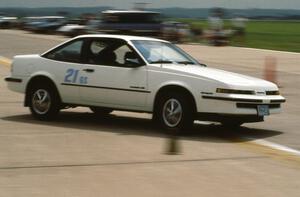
point(44, 102)
point(174, 111)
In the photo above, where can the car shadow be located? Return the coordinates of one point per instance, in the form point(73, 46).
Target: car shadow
point(124, 125)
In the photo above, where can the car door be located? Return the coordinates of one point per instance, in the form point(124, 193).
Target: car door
point(113, 82)
point(65, 65)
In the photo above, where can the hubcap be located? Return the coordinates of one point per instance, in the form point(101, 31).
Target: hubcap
point(172, 112)
point(41, 101)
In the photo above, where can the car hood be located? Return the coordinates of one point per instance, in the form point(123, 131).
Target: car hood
point(228, 79)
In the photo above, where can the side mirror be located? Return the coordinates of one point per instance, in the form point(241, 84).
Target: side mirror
point(133, 62)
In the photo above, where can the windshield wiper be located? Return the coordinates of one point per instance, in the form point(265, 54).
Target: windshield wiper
point(161, 62)
point(186, 62)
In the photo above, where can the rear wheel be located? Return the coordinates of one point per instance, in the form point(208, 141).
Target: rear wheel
point(174, 111)
point(44, 102)
point(101, 111)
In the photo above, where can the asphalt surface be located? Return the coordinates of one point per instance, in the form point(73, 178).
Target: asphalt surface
point(123, 154)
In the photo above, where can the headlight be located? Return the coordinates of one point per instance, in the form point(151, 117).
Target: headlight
point(230, 91)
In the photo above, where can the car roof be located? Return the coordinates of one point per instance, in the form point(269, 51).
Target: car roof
point(123, 37)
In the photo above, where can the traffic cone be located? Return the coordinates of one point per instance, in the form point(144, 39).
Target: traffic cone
point(270, 72)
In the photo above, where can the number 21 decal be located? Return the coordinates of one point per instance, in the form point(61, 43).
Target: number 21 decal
point(72, 77)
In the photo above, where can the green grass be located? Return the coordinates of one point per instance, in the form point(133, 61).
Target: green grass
point(276, 35)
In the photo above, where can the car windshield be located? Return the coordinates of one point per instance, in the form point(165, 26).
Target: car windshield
point(157, 52)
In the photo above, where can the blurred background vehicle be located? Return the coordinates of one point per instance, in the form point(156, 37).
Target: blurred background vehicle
point(73, 27)
point(8, 22)
point(43, 24)
point(131, 22)
point(25, 23)
point(142, 23)
point(87, 23)
point(48, 24)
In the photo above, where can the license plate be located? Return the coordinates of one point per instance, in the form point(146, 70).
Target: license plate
point(263, 110)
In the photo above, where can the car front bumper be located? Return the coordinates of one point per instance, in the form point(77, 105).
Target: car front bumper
point(239, 104)
point(15, 84)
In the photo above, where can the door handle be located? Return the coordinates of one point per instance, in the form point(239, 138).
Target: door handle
point(88, 70)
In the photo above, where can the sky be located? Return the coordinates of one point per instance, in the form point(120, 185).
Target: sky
point(126, 4)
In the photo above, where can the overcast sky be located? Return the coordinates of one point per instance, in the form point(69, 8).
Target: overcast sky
point(125, 4)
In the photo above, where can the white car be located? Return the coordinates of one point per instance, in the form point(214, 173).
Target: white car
point(112, 72)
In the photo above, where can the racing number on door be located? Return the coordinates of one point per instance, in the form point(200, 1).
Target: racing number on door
point(72, 77)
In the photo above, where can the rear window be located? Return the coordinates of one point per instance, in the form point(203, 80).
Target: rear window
point(68, 53)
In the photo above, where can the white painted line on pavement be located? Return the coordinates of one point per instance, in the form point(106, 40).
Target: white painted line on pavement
point(248, 48)
point(275, 146)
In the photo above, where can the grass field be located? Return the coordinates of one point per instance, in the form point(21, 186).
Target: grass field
point(276, 35)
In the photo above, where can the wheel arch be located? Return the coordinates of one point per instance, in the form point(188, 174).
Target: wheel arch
point(175, 88)
point(37, 79)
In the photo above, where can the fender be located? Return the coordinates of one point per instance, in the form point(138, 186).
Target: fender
point(166, 84)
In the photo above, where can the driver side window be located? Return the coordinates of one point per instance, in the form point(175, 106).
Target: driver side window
point(120, 53)
point(126, 57)
point(111, 52)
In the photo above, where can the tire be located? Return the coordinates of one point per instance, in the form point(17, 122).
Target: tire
point(177, 118)
point(44, 102)
point(101, 111)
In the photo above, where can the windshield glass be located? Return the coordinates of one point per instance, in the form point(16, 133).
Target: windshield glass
point(163, 53)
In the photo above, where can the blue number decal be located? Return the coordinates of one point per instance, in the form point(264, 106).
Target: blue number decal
point(69, 74)
point(83, 80)
point(72, 76)
point(75, 75)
